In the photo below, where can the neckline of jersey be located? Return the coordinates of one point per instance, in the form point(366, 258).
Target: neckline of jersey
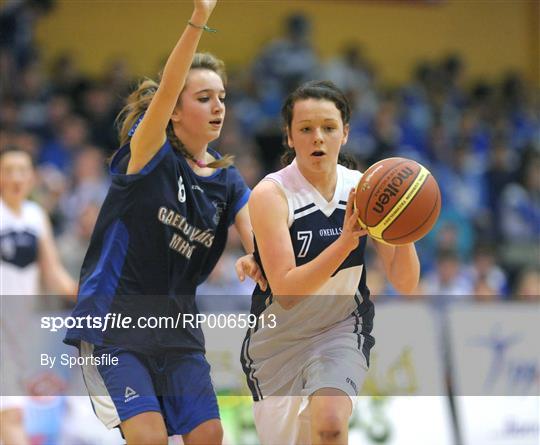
point(214, 153)
point(9, 211)
point(319, 199)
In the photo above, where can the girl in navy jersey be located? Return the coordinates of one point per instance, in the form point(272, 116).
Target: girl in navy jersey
point(305, 369)
point(160, 232)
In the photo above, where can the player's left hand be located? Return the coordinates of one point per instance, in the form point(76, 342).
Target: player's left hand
point(247, 265)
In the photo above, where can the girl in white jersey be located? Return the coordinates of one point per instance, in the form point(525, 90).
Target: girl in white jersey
point(28, 256)
point(307, 360)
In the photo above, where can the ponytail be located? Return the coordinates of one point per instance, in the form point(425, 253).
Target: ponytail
point(137, 103)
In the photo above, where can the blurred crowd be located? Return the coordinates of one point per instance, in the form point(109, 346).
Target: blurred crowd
point(481, 141)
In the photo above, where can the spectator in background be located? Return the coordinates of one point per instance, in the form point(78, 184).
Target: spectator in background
point(250, 168)
point(485, 274)
point(501, 171)
point(353, 74)
point(448, 278)
point(417, 98)
point(100, 108)
point(9, 115)
point(73, 244)
point(476, 120)
point(258, 121)
point(439, 143)
point(483, 292)
point(33, 94)
point(429, 98)
point(288, 61)
point(281, 66)
point(67, 79)
point(59, 109)
point(385, 130)
point(528, 285)
point(350, 71)
point(52, 185)
point(8, 72)
point(452, 69)
point(61, 149)
point(28, 142)
point(117, 77)
point(520, 204)
point(462, 187)
point(29, 257)
point(89, 184)
point(232, 138)
point(521, 109)
point(17, 22)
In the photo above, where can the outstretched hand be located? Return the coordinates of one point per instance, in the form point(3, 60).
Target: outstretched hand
point(352, 230)
point(247, 265)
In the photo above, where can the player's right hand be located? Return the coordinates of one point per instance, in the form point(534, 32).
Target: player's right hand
point(351, 231)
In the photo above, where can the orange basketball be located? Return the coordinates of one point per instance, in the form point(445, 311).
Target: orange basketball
point(398, 201)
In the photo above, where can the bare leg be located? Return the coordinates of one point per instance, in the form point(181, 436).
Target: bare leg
point(11, 427)
point(145, 429)
point(207, 433)
point(330, 411)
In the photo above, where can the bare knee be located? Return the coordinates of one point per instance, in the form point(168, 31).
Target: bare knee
point(330, 428)
point(148, 438)
point(207, 433)
point(12, 428)
point(330, 410)
point(145, 429)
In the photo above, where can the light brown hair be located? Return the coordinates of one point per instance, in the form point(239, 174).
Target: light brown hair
point(139, 100)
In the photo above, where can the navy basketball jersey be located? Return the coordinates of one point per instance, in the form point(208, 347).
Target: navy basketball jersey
point(159, 234)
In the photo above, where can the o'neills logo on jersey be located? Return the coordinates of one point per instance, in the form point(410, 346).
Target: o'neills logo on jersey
point(182, 242)
point(392, 189)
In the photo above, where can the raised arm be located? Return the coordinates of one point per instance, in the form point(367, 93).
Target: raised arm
point(150, 134)
point(268, 209)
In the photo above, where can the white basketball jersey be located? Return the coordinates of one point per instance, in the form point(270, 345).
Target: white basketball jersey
point(340, 305)
point(19, 241)
point(19, 283)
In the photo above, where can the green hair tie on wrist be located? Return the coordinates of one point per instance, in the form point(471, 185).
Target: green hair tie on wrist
point(203, 27)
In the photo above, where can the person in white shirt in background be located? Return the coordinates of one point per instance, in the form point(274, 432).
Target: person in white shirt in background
point(28, 259)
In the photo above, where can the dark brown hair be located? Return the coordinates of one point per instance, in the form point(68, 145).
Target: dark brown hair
point(320, 90)
point(139, 100)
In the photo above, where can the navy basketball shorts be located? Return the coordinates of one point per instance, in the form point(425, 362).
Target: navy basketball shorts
point(176, 385)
